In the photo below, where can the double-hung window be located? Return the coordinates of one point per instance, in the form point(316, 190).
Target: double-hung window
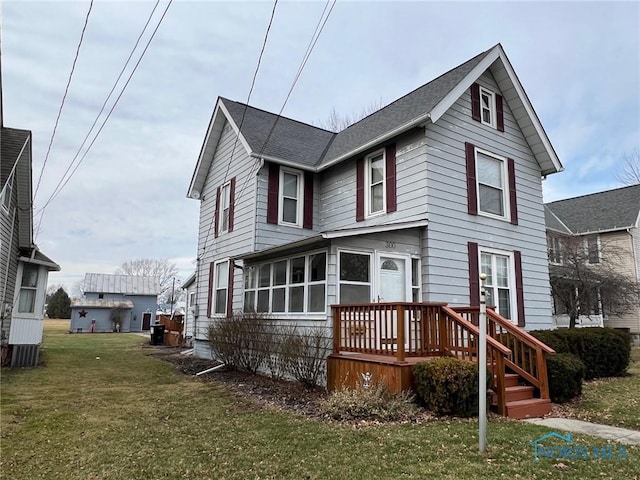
point(499, 282)
point(28, 288)
point(291, 188)
point(491, 174)
point(375, 181)
point(554, 245)
point(225, 207)
point(221, 287)
point(593, 249)
point(487, 107)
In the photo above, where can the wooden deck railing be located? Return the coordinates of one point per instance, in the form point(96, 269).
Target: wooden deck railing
point(406, 329)
point(528, 354)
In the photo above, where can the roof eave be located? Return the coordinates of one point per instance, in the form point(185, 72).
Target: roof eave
point(207, 152)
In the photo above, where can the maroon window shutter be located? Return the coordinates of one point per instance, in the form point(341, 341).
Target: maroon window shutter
point(474, 275)
point(360, 190)
point(230, 291)
point(475, 102)
point(499, 113)
point(232, 206)
point(513, 203)
point(517, 259)
point(390, 155)
point(307, 217)
point(472, 194)
point(210, 288)
point(216, 220)
point(272, 193)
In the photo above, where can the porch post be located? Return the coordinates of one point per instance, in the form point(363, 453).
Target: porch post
point(336, 329)
point(400, 331)
point(482, 366)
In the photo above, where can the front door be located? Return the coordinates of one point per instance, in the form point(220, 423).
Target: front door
point(146, 321)
point(392, 287)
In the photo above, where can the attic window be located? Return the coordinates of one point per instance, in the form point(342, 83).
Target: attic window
point(487, 107)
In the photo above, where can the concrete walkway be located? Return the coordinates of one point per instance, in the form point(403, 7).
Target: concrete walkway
point(617, 434)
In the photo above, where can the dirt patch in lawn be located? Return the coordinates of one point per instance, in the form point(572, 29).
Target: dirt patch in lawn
point(263, 390)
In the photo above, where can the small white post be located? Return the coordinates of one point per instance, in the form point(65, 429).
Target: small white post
point(482, 366)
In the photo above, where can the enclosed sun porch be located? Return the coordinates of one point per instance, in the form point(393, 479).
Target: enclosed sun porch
point(382, 341)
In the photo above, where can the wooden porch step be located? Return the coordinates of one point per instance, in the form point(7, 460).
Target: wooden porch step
point(514, 394)
point(531, 408)
point(511, 379)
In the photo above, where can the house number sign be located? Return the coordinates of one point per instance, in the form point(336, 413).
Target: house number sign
point(390, 245)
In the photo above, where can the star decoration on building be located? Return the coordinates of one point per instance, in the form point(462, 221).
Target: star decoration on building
point(82, 313)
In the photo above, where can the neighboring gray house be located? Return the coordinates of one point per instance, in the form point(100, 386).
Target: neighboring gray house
point(23, 267)
point(608, 223)
point(409, 204)
point(133, 298)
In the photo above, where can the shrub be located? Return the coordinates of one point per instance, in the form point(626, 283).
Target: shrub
point(605, 352)
point(303, 356)
point(373, 403)
point(448, 386)
point(565, 372)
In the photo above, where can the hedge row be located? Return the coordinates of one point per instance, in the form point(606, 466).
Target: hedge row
point(605, 352)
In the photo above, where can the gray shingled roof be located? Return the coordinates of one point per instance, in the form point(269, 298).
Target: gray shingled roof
point(291, 140)
point(308, 145)
point(125, 284)
point(610, 210)
point(553, 223)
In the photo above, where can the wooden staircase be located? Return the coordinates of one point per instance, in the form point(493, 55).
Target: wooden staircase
point(520, 400)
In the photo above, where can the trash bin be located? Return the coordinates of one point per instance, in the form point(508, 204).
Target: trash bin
point(157, 334)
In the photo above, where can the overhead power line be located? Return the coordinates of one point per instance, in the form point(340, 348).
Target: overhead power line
point(63, 182)
point(64, 97)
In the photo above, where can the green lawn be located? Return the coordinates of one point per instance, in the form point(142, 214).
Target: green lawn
point(613, 401)
point(125, 415)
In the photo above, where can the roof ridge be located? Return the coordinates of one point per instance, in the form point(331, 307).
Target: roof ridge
point(276, 115)
point(593, 194)
point(424, 85)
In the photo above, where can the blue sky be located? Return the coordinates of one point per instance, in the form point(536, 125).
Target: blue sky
point(579, 62)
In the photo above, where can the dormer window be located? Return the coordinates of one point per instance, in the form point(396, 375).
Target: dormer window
point(487, 107)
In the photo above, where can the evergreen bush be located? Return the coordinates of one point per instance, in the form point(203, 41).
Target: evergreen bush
point(565, 373)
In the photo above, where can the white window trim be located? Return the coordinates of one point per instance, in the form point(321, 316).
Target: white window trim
point(505, 185)
point(287, 285)
point(300, 199)
point(225, 198)
point(214, 296)
point(492, 107)
point(371, 283)
point(512, 278)
point(555, 247)
point(191, 301)
point(367, 183)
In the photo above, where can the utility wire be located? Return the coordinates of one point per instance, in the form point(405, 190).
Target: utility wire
point(71, 164)
point(64, 97)
point(244, 111)
point(62, 184)
point(312, 43)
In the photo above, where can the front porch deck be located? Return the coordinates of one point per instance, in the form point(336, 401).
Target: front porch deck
point(384, 340)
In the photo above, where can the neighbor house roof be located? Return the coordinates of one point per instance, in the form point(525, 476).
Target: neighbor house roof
point(311, 148)
point(123, 284)
point(603, 211)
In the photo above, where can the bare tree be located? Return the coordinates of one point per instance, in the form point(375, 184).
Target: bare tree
point(161, 269)
point(77, 289)
point(589, 281)
point(629, 174)
point(336, 122)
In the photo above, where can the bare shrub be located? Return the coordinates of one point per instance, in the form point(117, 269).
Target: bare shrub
point(375, 403)
point(303, 355)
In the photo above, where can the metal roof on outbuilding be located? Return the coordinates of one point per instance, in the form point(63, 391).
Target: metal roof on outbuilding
point(123, 284)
